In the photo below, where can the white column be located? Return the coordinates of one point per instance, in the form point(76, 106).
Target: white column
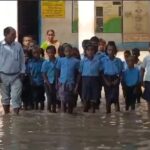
point(8, 15)
point(86, 21)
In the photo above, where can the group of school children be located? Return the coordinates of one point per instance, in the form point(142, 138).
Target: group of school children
point(70, 74)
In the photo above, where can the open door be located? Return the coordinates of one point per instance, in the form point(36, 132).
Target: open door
point(28, 19)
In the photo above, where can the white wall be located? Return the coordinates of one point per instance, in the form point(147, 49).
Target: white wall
point(62, 26)
point(8, 15)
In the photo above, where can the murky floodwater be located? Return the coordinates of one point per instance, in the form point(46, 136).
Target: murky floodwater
point(34, 130)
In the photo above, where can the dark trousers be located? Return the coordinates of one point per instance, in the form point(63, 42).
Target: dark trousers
point(112, 93)
point(51, 96)
point(130, 97)
point(139, 93)
point(26, 93)
point(38, 96)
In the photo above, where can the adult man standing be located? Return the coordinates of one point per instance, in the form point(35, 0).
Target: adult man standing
point(12, 67)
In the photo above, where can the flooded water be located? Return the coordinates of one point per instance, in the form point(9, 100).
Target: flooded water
point(35, 130)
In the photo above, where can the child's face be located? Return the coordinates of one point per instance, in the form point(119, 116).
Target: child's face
point(26, 57)
point(95, 45)
point(36, 53)
point(135, 54)
point(27, 41)
point(90, 52)
point(130, 62)
point(51, 53)
point(126, 55)
point(61, 52)
point(68, 51)
point(101, 47)
point(111, 51)
point(75, 53)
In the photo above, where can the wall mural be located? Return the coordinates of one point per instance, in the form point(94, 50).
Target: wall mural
point(136, 22)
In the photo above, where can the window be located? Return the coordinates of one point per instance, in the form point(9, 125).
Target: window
point(108, 17)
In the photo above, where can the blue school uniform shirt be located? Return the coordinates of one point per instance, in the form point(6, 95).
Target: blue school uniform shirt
point(90, 67)
point(68, 67)
point(125, 65)
point(34, 70)
point(131, 77)
point(112, 67)
point(100, 55)
point(49, 67)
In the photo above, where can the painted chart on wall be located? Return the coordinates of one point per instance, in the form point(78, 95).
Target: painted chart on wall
point(74, 16)
point(108, 16)
point(136, 22)
point(53, 9)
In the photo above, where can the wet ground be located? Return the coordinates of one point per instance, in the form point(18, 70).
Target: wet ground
point(35, 130)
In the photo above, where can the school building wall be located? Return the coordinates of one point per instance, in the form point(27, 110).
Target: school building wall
point(63, 28)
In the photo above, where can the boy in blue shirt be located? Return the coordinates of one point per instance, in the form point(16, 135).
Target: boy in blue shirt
point(112, 69)
point(26, 86)
point(131, 81)
point(127, 53)
point(101, 49)
point(101, 53)
point(138, 64)
point(90, 70)
point(95, 42)
point(67, 69)
point(49, 76)
point(37, 82)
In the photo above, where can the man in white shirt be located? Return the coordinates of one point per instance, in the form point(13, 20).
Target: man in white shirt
point(146, 79)
point(12, 67)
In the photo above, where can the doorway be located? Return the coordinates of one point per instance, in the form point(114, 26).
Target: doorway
point(28, 19)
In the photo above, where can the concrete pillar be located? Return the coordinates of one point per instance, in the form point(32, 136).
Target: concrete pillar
point(86, 21)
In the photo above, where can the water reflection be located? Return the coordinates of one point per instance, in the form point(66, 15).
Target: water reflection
point(43, 131)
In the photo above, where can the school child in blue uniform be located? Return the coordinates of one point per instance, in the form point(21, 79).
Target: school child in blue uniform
point(76, 54)
point(101, 53)
point(37, 82)
point(112, 69)
point(49, 76)
point(67, 68)
point(61, 51)
point(127, 53)
point(26, 88)
point(130, 82)
point(95, 42)
point(145, 70)
point(138, 64)
point(90, 70)
point(84, 44)
point(101, 49)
